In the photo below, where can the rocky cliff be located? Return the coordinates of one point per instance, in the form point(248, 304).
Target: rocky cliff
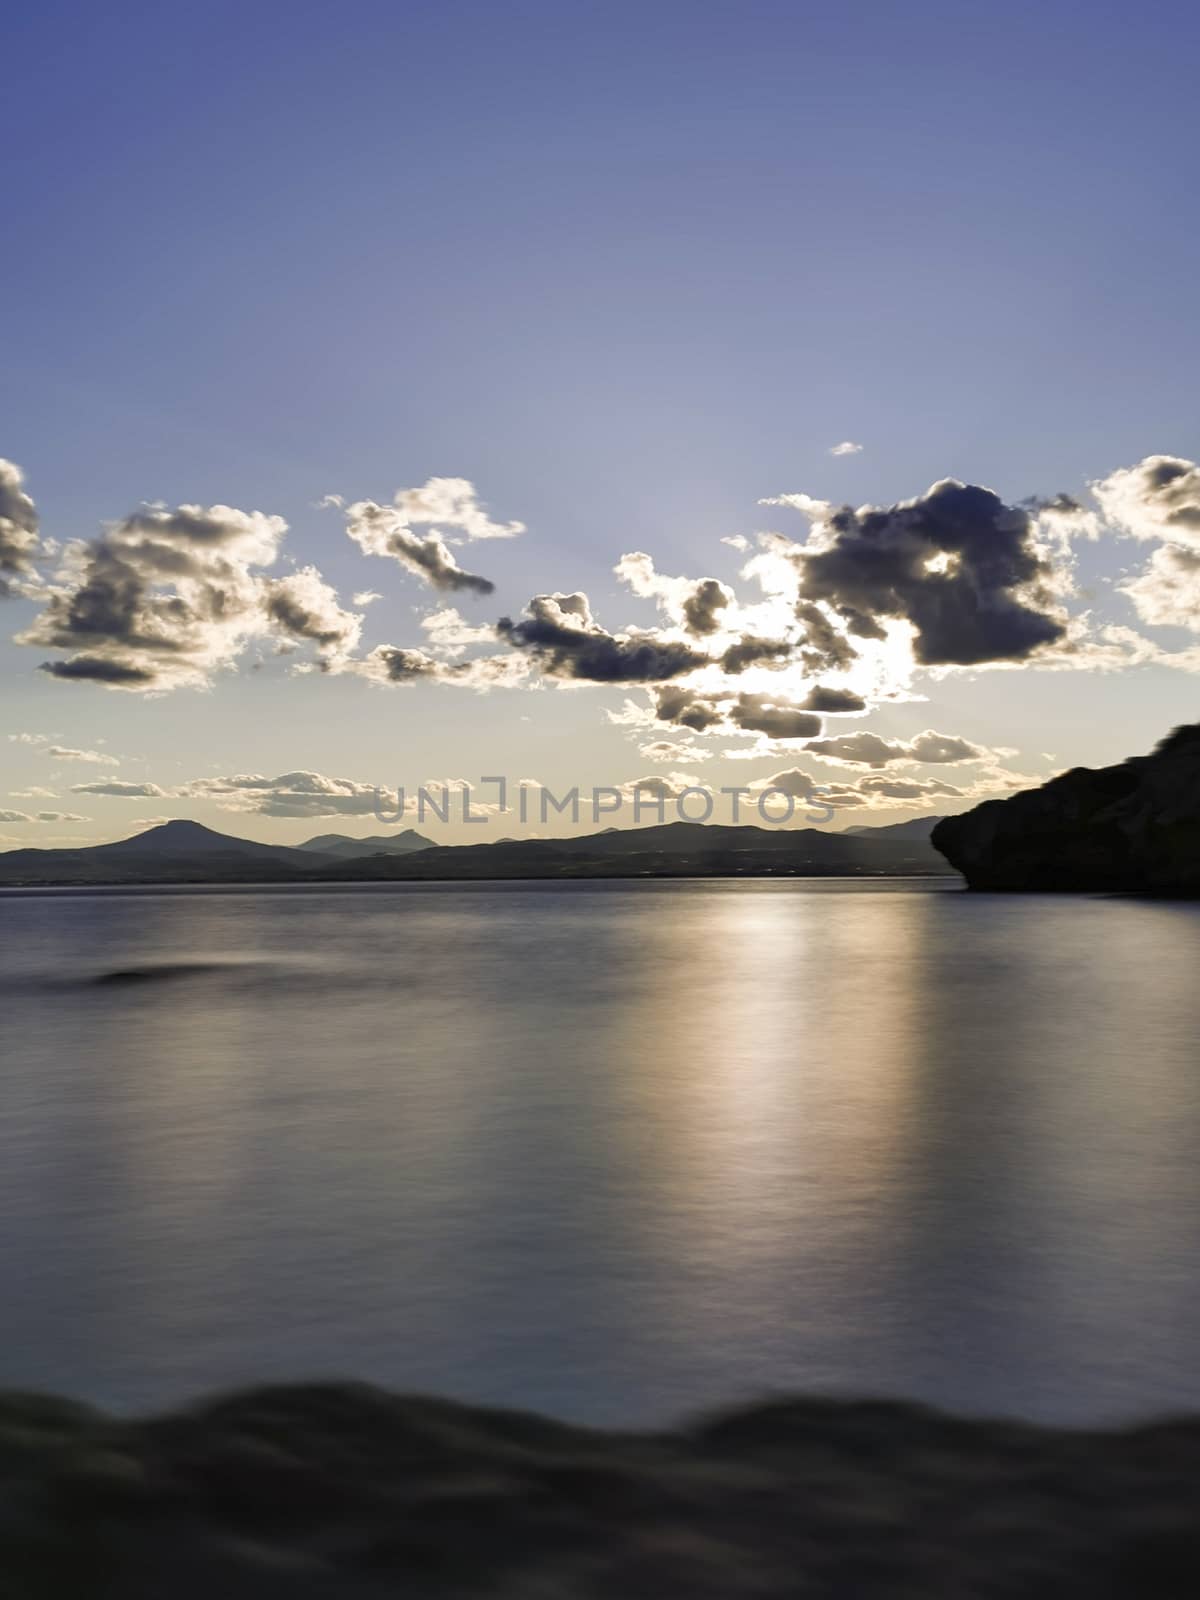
point(1135, 826)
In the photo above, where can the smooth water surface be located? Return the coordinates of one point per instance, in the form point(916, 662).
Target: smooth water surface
point(612, 1150)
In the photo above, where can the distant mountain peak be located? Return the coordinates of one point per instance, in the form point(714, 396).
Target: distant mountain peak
point(406, 842)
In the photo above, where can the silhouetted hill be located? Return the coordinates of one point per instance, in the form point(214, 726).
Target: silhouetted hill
point(914, 828)
point(186, 852)
point(673, 849)
point(394, 844)
point(1134, 826)
point(178, 851)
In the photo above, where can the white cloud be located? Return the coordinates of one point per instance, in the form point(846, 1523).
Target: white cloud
point(95, 758)
point(18, 528)
point(846, 448)
point(667, 750)
point(117, 790)
point(1159, 498)
point(451, 633)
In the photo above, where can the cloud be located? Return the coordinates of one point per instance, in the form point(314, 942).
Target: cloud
point(15, 816)
point(291, 794)
point(60, 816)
point(836, 702)
point(383, 531)
point(164, 598)
point(94, 758)
point(877, 792)
point(19, 543)
point(1167, 591)
point(695, 605)
point(657, 787)
point(303, 607)
point(907, 788)
point(450, 632)
point(688, 709)
point(674, 750)
point(824, 647)
point(121, 791)
point(846, 448)
point(1159, 498)
point(440, 503)
point(366, 597)
point(561, 636)
point(33, 793)
point(752, 651)
point(957, 564)
point(869, 749)
point(773, 716)
point(306, 794)
point(777, 719)
point(452, 503)
point(398, 665)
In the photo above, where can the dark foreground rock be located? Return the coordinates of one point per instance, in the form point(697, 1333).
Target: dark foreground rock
point(1133, 827)
point(347, 1491)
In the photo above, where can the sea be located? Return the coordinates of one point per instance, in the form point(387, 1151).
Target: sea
point(618, 1151)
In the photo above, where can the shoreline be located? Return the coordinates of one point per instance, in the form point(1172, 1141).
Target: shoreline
point(342, 1489)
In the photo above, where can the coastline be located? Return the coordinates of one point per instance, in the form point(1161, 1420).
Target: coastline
point(348, 1490)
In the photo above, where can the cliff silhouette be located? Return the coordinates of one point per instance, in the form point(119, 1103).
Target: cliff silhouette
point(1133, 827)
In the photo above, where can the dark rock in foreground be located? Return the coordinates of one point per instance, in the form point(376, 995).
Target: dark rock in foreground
point(1132, 827)
point(347, 1491)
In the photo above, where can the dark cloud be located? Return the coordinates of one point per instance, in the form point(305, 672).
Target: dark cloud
point(778, 719)
point(752, 652)
point(957, 563)
point(561, 636)
point(834, 701)
point(742, 713)
point(703, 605)
point(687, 709)
point(824, 648)
point(100, 669)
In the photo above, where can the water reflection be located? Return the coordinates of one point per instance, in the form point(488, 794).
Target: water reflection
point(606, 1149)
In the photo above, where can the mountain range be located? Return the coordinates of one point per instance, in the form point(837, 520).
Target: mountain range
point(187, 852)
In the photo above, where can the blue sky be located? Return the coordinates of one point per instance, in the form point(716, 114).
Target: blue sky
point(629, 269)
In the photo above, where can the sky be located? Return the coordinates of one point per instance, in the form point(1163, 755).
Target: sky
point(689, 394)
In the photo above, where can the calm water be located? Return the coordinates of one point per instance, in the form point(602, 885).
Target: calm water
point(610, 1150)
